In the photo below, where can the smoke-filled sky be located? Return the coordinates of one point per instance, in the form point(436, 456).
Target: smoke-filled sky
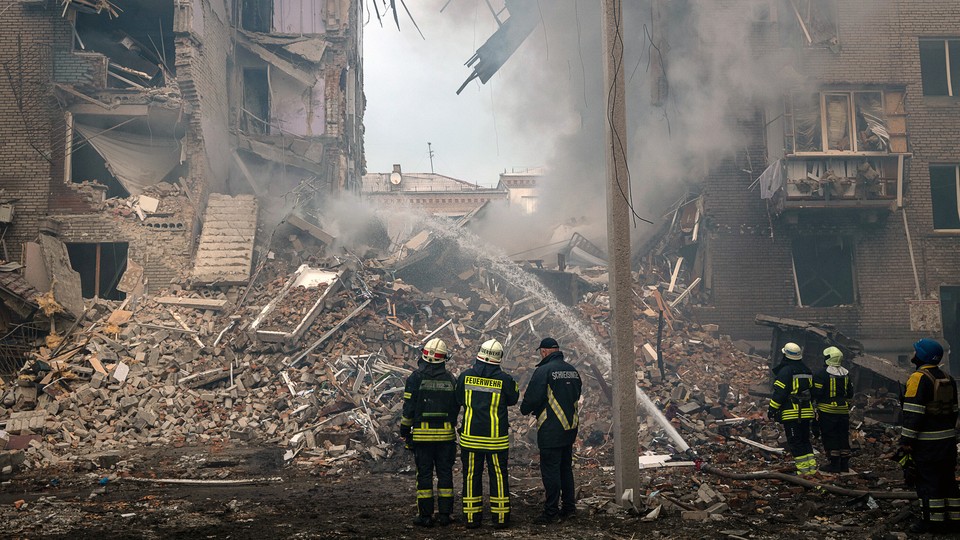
point(411, 82)
point(548, 103)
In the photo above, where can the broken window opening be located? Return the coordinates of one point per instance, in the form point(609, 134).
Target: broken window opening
point(837, 122)
point(809, 22)
point(256, 15)
point(139, 43)
point(823, 271)
point(945, 193)
point(940, 67)
point(100, 267)
point(125, 153)
point(87, 165)
point(255, 117)
point(950, 315)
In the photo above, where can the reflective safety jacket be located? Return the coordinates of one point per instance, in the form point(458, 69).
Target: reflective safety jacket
point(552, 395)
point(929, 406)
point(430, 405)
point(832, 390)
point(792, 399)
point(485, 392)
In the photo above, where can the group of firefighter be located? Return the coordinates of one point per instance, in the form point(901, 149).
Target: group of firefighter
point(432, 401)
point(805, 402)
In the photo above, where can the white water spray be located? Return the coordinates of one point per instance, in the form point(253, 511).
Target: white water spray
point(500, 263)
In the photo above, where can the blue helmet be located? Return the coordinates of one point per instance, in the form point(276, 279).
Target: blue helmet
point(929, 351)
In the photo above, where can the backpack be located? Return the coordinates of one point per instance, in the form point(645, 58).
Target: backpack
point(943, 398)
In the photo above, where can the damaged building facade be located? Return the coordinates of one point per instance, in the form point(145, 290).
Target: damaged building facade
point(121, 120)
point(854, 220)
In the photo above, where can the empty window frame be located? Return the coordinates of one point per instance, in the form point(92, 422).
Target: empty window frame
point(836, 122)
point(255, 117)
point(100, 267)
point(823, 271)
point(945, 193)
point(256, 15)
point(940, 66)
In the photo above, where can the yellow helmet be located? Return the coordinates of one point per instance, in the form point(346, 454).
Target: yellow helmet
point(491, 352)
point(435, 351)
point(832, 356)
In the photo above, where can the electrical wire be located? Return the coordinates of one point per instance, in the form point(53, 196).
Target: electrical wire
point(612, 100)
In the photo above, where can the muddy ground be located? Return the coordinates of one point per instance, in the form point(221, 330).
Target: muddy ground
point(376, 500)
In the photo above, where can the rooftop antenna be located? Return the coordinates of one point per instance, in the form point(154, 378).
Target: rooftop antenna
point(430, 152)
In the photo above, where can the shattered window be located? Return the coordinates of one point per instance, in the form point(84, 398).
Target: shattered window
point(872, 134)
point(839, 122)
point(945, 192)
point(806, 121)
point(823, 269)
point(940, 66)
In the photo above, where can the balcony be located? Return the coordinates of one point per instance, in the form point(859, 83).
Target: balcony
point(858, 182)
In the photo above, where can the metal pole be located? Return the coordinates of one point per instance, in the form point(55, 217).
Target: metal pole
point(623, 367)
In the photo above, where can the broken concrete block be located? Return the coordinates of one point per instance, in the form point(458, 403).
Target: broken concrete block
point(690, 407)
point(718, 508)
point(694, 515)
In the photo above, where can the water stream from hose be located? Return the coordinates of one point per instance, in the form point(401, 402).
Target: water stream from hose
point(499, 263)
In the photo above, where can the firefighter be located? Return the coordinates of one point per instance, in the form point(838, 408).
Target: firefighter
point(485, 391)
point(552, 397)
point(928, 434)
point(791, 404)
point(832, 392)
point(430, 411)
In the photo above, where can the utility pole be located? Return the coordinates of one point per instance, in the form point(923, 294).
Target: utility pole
point(430, 152)
point(622, 367)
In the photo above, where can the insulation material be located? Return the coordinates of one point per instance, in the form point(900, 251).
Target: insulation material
point(298, 110)
point(137, 161)
point(298, 17)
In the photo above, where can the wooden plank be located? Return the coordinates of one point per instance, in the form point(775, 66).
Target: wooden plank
point(527, 316)
point(95, 362)
point(197, 303)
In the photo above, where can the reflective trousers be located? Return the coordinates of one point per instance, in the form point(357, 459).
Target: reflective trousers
point(937, 489)
point(497, 466)
point(439, 457)
point(556, 469)
point(798, 442)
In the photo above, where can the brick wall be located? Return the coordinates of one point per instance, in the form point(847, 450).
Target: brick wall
point(33, 35)
point(163, 252)
point(751, 268)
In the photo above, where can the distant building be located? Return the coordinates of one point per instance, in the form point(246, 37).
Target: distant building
point(435, 193)
point(522, 186)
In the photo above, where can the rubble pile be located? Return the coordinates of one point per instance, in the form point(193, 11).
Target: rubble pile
point(228, 366)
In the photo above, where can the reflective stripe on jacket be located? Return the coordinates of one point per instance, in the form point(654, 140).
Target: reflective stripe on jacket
point(792, 398)
point(925, 419)
point(429, 404)
point(552, 395)
point(832, 390)
point(485, 392)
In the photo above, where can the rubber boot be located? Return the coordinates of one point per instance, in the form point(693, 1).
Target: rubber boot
point(844, 464)
point(833, 466)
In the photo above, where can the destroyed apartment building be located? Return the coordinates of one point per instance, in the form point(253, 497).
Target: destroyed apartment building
point(129, 123)
point(843, 203)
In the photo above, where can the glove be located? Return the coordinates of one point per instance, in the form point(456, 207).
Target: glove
point(815, 428)
point(772, 414)
point(408, 442)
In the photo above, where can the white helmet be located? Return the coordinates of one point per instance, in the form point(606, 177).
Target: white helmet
point(435, 351)
point(491, 352)
point(792, 351)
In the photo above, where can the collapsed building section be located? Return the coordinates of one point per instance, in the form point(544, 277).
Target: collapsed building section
point(840, 205)
point(130, 120)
